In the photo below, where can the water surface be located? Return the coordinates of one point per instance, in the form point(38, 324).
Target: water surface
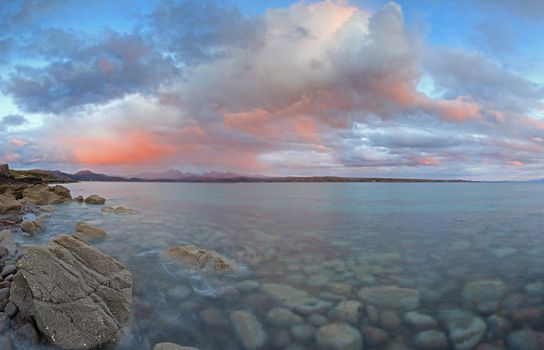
point(329, 240)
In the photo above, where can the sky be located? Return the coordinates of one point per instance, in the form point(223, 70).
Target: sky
point(417, 89)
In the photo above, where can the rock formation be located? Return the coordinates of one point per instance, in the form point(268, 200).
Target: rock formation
point(78, 297)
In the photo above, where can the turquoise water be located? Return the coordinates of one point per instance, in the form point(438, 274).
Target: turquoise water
point(328, 240)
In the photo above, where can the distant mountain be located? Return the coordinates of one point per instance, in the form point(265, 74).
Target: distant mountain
point(177, 175)
point(54, 176)
point(87, 175)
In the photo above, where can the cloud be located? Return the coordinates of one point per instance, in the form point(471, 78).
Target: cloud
point(324, 87)
point(12, 120)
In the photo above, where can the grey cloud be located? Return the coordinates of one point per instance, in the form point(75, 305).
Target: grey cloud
point(460, 73)
point(94, 73)
point(200, 30)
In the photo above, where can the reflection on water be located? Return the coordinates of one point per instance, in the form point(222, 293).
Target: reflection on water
point(472, 251)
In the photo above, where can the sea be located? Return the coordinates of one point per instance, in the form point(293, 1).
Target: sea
point(325, 265)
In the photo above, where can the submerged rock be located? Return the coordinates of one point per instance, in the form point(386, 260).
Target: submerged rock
point(465, 330)
point(347, 310)
point(77, 296)
point(6, 241)
point(171, 346)
point(339, 336)
point(419, 321)
point(432, 339)
point(88, 233)
point(390, 297)
point(119, 210)
point(484, 295)
point(33, 227)
point(95, 199)
point(288, 295)
point(281, 317)
point(524, 340)
point(249, 330)
point(202, 259)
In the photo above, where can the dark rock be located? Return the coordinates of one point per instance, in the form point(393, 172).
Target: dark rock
point(27, 331)
point(374, 336)
point(523, 340)
point(4, 322)
point(4, 293)
point(8, 270)
point(10, 309)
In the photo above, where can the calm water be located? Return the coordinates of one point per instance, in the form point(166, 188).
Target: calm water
point(329, 240)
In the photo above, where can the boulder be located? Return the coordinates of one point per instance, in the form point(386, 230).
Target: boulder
point(10, 205)
point(249, 330)
point(94, 199)
point(347, 310)
point(465, 330)
point(6, 241)
point(432, 339)
point(483, 295)
point(78, 297)
point(202, 259)
point(171, 346)
point(339, 336)
point(88, 233)
point(33, 227)
point(43, 194)
point(390, 297)
point(281, 317)
point(119, 210)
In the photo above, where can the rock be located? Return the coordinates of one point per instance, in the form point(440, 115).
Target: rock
point(347, 310)
point(6, 240)
point(374, 336)
point(10, 309)
point(171, 346)
point(214, 317)
point(179, 292)
point(302, 332)
point(10, 205)
point(497, 326)
point(3, 252)
point(8, 270)
point(483, 295)
point(94, 199)
point(390, 297)
point(88, 233)
point(202, 259)
point(4, 322)
point(281, 317)
point(5, 342)
point(28, 332)
point(318, 320)
point(79, 199)
point(77, 296)
point(47, 208)
point(43, 194)
point(32, 227)
point(294, 298)
point(119, 211)
point(504, 252)
point(389, 320)
point(338, 336)
point(249, 330)
point(248, 285)
point(523, 340)
point(432, 339)
point(419, 321)
point(464, 329)
point(4, 294)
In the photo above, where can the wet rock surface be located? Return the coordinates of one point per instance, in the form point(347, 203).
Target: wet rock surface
point(78, 297)
point(202, 259)
point(95, 199)
point(88, 232)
